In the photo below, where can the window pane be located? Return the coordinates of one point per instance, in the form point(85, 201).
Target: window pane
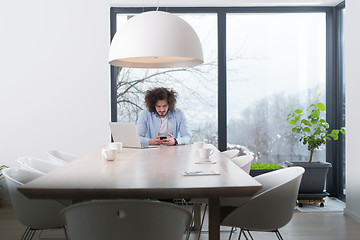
point(273, 59)
point(196, 86)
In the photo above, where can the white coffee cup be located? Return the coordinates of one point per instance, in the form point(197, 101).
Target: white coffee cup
point(109, 154)
point(199, 144)
point(205, 152)
point(116, 145)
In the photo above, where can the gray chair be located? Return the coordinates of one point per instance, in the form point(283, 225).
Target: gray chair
point(125, 219)
point(244, 162)
point(231, 153)
point(269, 209)
point(60, 156)
point(34, 214)
point(38, 165)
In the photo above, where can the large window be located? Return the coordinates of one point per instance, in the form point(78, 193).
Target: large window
point(257, 60)
point(273, 59)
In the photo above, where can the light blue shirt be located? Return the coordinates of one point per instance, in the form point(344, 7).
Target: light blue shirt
point(149, 123)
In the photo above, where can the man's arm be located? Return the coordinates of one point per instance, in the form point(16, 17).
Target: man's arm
point(142, 129)
point(184, 131)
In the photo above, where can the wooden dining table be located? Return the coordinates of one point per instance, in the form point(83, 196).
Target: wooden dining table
point(155, 173)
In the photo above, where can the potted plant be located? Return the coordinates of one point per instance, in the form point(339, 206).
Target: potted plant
point(1, 177)
point(260, 168)
point(314, 131)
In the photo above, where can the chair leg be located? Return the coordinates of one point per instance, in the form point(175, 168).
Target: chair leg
point(231, 231)
point(242, 231)
point(66, 234)
point(191, 224)
point(202, 221)
point(28, 234)
point(278, 235)
point(250, 234)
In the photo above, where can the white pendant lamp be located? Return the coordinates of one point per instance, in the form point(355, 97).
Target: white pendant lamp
point(155, 39)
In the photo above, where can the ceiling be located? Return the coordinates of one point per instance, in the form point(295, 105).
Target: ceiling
point(225, 3)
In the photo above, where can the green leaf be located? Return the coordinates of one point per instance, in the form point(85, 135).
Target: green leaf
point(334, 134)
point(312, 105)
point(314, 121)
point(306, 129)
point(342, 130)
point(298, 111)
point(316, 113)
point(323, 121)
point(325, 125)
point(306, 122)
point(321, 106)
point(293, 122)
point(335, 131)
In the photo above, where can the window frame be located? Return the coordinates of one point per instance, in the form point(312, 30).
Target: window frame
point(334, 86)
point(335, 102)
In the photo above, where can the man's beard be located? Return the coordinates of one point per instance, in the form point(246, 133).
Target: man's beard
point(162, 114)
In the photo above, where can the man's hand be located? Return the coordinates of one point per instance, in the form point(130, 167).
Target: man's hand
point(155, 141)
point(170, 141)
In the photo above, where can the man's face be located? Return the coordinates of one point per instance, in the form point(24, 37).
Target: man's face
point(162, 108)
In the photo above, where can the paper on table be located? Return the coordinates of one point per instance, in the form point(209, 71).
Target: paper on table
point(200, 173)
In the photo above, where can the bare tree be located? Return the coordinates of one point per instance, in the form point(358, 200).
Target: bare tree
point(133, 83)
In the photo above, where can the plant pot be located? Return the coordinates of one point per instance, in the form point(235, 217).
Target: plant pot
point(313, 180)
point(256, 172)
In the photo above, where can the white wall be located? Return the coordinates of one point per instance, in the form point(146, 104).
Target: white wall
point(54, 77)
point(352, 76)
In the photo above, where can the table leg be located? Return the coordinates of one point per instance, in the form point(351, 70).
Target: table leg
point(214, 219)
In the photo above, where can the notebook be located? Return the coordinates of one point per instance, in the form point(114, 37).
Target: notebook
point(127, 134)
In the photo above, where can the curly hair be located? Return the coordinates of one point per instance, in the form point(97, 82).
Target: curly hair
point(156, 94)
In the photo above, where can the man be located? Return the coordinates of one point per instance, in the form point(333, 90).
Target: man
point(161, 123)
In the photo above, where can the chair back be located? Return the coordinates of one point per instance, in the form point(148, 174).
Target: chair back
point(38, 165)
point(125, 219)
point(37, 214)
point(273, 206)
point(244, 162)
point(60, 156)
point(231, 153)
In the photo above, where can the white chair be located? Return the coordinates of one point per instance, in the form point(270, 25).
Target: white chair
point(34, 214)
point(269, 209)
point(231, 153)
point(38, 165)
point(60, 156)
point(244, 162)
point(125, 219)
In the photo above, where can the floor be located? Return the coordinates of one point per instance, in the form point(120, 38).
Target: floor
point(304, 225)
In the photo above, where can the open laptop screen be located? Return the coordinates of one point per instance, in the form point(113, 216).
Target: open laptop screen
point(125, 133)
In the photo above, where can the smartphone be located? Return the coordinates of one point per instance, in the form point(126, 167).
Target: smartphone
point(162, 138)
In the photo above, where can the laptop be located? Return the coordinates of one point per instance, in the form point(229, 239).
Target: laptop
point(127, 134)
